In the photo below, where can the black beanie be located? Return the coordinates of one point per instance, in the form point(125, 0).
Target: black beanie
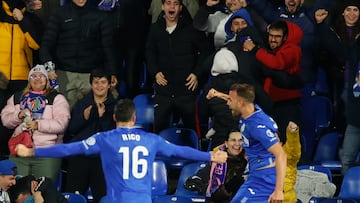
point(351, 3)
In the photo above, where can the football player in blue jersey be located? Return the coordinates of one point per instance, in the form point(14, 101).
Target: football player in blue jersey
point(127, 154)
point(266, 157)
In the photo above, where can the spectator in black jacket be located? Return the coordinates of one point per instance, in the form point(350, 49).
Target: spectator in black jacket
point(174, 52)
point(232, 65)
point(92, 114)
point(77, 40)
point(220, 182)
point(347, 52)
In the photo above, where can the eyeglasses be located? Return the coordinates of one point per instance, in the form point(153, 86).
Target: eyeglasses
point(37, 77)
point(275, 36)
point(235, 140)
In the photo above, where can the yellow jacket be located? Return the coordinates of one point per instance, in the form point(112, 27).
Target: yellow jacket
point(16, 56)
point(292, 147)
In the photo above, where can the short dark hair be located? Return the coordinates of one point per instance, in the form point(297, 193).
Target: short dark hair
point(99, 73)
point(22, 186)
point(245, 91)
point(180, 1)
point(279, 25)
point(231, 131)
point(124, 110)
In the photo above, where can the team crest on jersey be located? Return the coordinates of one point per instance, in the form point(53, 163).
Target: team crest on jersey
point(90, 141)
point(270, 134)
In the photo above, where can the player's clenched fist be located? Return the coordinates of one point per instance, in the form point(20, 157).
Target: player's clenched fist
point(23, 151)
point(219, 156)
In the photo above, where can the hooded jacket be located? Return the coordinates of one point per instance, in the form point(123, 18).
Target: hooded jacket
point(304, 18)
point(287, 58)
point(17, 39)
point(241, 13)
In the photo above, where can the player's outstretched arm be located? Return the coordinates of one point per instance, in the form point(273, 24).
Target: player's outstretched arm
point(214, 93)
point(23, 151)
point(219, 156)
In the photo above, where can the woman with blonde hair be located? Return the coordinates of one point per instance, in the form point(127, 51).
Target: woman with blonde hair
point(45, 114)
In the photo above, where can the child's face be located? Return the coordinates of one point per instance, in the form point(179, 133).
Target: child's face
point(172, 9)
point(100, 86)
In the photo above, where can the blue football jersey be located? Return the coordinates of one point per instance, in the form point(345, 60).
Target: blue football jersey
point(259, 134)
point(127, 155)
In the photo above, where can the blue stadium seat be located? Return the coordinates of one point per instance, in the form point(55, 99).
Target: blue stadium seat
point(179, 136)
point(331, 200)
point(327, 150)
point(74, 197)
point(174, 198)
point(159, 183)
point(144, 104)
point(58, 182)
point(186, 172)
point(89, 196)
point(317, 112)
point(350, 187)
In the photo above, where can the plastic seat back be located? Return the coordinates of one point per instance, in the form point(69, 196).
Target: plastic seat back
point(181, 136)
point(331, 200)
point(186, 172)
point(327, 148)
point(159, 182)
point(350, 187)
point(74, 197)
point(144, 104)
point(178, 199)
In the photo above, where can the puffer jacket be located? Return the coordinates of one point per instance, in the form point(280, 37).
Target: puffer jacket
point(79, 39)
point(51, 126)
point(17, 40)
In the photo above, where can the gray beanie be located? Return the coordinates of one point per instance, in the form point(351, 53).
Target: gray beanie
point(38, 69)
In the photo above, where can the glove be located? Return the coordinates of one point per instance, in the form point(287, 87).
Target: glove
point(195, 184)
point(49, 66)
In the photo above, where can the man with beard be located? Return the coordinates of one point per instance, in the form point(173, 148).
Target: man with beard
point(284, 55)
point(266, 157)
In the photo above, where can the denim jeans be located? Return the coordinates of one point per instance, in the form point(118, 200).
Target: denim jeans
point(351, 147)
